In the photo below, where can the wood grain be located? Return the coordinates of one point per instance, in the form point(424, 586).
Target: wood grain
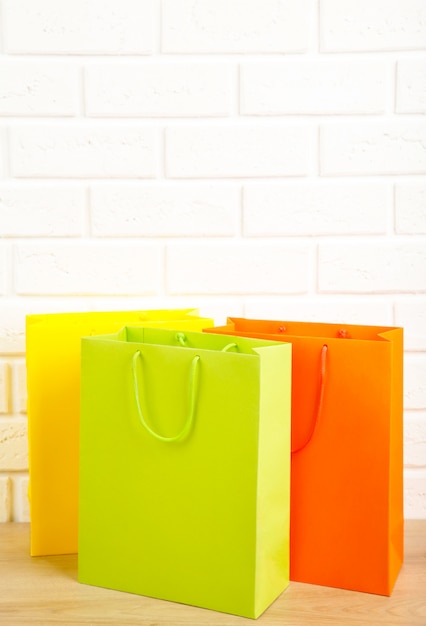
point(44, 590)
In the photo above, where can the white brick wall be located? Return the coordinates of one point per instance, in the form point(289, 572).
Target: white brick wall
point(28, 210)
point(264, 158)
point(31, 88)
point(13, 444)
point(236, 26)
point(246, 269)
point(372, 267)
point(411, 86)
point(361, 25)
point(3, 152)
point(5, 499)
point(373, 148)
point(410, 203)
point(237, 151)
point(160, 89)
point(314, 87)
point(167, 211)
point(86, 151)
point(4, 269)
point(320, 208)
point(5, 400)
point(86, 268)
point(79, 27)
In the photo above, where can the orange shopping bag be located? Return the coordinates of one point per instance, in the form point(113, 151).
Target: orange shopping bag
point(347, 458)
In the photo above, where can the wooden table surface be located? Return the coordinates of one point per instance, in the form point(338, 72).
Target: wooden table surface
point(44, 591)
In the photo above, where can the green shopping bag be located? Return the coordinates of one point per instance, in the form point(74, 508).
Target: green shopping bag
point(185, 467)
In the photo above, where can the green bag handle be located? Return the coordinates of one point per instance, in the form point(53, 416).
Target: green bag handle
point(193, 389)
point(229, 346)
point(181, 339)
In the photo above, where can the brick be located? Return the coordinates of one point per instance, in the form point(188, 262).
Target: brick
point(3, 153)
point(415, 439)
point(12, 328)
point(211, 306)
point(312, 87)
point(377, 148)
point(363, 25)
point(216, 307)
point(83, 151)
point(415, 494)
point(374, 267)
point(4, 269)
point(237, 269)
point(159, 89)
point(410, 208)
point(13, 445)
point(38, 88)
point(237, 151)
point(222, 26)
point(415, 381)
point(5, 388)
point(5, 499)
point(23, 503)
point(20, 399)
point(87, 269)
point(348, 310)
point(411, 314)
point(315, 209)
point(47, 211)
point(79, 27)
point(166, 211)
point(411, 86)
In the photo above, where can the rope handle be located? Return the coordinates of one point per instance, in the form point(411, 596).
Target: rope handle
point(182, 340)
point(193, 391)
point(229, 346)
point(320, 400)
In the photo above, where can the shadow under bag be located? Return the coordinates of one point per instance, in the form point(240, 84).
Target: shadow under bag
point(185, 467)
point(347, 450)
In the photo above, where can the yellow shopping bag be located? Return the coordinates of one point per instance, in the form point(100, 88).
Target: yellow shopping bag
point(53, 382)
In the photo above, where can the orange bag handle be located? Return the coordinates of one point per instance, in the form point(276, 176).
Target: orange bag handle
point(320, 400)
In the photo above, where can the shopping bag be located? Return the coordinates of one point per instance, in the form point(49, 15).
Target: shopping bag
point(185, 468)
point(347, 463)
point(53, 383)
